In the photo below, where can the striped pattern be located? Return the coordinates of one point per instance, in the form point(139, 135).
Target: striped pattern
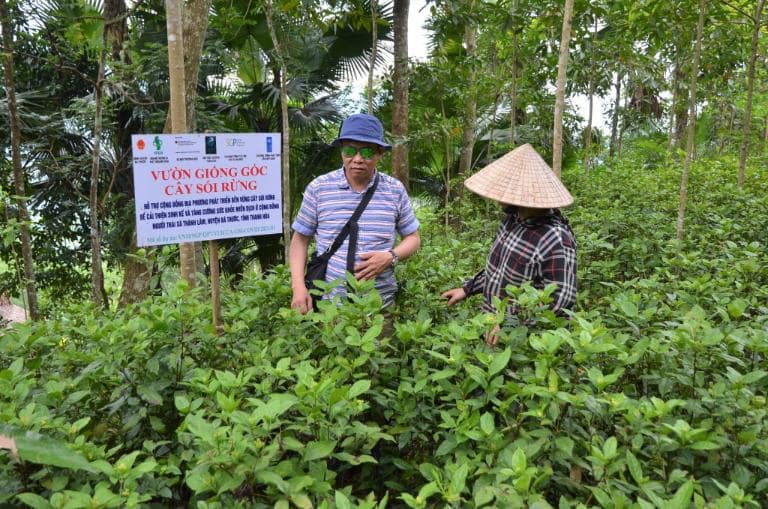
point(541, 250)
point(329, 201)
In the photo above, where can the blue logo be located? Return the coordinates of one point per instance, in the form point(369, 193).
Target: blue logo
point(269, 143)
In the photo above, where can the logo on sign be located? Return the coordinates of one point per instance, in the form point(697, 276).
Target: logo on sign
point(210, 144)
point(234, 142)
point(158, 143)
point(141, 145)
point(269, 143)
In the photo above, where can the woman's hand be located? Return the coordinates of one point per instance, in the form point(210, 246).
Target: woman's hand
point(455, 295)
point(492, 336)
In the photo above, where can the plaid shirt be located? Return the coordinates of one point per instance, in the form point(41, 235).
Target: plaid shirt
point(538, 249)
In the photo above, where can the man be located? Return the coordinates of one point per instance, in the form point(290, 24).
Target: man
point(331, 199)
point(534, 243)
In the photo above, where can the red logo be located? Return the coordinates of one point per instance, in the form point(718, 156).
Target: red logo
point(140, 144)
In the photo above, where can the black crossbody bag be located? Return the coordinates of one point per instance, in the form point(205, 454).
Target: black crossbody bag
point(318, 264)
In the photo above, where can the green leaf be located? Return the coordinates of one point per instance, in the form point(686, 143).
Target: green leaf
point(499, 361)
point(301, 500)
point(80, 424)
point(737, 307)
point(487, 423)
point(602, 497)
point(342, 502)
point(484, 495)
point(358, 388)
point(270, 477)
point(149, 394)
point(754, 376)
point(459, 479)
point(353, 459)
point(609, 448)
point(704, 445)
point(318, 450)
point(34, 501)
point(565, 444)
point(428, 490)
point(125, 463)
point(38, 449)
point(628, 308)
point(182, 403)
point(682, 498)
point(442, 374)
point(226, 403)
point(277, 406)
point(634, 468)
point(199, 426)
point(519, 461)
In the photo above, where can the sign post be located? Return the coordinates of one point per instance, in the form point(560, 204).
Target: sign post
point(196, 187)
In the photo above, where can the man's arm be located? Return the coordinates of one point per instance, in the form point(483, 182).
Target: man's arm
point(374, 263)
point(297, 260)
point(408, 245)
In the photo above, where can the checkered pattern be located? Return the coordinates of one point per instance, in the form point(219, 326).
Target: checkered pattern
point(541, 250)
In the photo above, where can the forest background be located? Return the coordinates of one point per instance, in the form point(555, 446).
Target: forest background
point(120, 392)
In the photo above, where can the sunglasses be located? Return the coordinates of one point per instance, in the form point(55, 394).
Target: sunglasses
point(366, 153)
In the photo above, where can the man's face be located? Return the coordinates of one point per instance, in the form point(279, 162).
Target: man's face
point(360, 159)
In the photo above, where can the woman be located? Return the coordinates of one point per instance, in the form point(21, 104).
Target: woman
point(534, 242)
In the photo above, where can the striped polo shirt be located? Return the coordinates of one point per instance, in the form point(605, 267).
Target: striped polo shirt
point(329, 201)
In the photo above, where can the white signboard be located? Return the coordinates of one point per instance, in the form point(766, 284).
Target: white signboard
point(194, 187)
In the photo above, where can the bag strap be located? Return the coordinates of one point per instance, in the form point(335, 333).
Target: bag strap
point(353, 219)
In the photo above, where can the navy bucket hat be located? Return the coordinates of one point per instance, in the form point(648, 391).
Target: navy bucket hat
point(363, 128)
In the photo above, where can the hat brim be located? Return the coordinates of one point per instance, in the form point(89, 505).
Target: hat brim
point(521, 178)
point(361, 139)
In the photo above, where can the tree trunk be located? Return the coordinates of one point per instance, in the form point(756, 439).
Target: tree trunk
point(718, 123)
point(623, 125)
point(400, 84)
point(195, 29)
point(513, 94)
point(672, 109)
point(470, 109)
point(97, 274)
point(562, 65)
point(691, 123)
point(285, 166)
point(174, 14)
point(18, 172)
point(747, 123)
point(765, 135)
point(588, 143)
point(136, 273)
point(681, 108)
point(448, 160)
point(374, 47)
point(513, 98)
point(615, 118)
point(496, 98)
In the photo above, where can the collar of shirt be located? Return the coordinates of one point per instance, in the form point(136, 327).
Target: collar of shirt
point(343, 183)
point(529, 222)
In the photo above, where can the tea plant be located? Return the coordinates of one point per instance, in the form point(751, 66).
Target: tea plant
point(651, 394)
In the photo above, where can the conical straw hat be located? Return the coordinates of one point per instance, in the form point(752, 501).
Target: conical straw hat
point(520, 178)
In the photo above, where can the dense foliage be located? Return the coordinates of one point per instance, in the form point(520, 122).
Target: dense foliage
point(653, 394)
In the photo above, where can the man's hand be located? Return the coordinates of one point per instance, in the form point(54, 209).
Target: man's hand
point(372, 264)
point(302, 300)
point(455, 295)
